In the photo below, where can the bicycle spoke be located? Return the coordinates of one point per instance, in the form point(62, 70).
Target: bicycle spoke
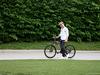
point(71, 50)
point(50, 51)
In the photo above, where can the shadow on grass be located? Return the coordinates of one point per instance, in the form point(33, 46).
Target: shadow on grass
point(14, 74)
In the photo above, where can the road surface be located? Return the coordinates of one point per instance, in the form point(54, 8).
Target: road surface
point(39, 54)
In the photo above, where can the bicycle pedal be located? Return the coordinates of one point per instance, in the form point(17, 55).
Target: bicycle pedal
point(51, 51)
point(58, 52)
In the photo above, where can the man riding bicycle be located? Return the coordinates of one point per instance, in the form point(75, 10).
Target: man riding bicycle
point(64, 34)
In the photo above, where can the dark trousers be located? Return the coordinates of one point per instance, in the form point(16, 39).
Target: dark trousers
point(63, 50)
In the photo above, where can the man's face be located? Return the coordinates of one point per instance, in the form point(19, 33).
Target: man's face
point(61, 25)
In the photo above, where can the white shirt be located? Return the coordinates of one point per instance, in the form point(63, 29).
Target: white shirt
point(64, 33)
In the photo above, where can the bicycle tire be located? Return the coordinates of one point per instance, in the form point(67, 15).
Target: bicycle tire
point(50, 53)
point(71, 50)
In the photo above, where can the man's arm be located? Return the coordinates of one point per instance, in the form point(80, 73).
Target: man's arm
point(58, 36)
point(67, 32)
point(66, 39)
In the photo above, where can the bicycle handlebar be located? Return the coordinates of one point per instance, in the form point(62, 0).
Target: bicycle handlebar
point(54, 38)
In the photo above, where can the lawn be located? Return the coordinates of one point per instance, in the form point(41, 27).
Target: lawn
point(49, 67)
point(43, 44)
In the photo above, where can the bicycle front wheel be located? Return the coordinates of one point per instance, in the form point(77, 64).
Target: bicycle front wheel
point(50, 51)
point(71, 50)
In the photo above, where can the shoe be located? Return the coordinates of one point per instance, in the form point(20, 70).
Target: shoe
point(62, 57)
point(67, 56)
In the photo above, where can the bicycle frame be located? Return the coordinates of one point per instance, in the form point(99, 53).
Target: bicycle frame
point(56, 42)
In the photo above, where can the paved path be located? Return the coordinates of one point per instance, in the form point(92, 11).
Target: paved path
point(39, 54)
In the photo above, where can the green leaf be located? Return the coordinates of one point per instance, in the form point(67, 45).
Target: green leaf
point(13, 36)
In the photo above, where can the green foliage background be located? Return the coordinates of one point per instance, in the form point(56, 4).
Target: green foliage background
point(30, 20)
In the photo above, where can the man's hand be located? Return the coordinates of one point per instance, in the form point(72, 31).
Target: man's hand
point(65, 41)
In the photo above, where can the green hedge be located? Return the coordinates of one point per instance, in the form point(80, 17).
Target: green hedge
point(31, 20)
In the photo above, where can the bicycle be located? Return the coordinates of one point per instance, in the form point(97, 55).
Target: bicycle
point(50, 51)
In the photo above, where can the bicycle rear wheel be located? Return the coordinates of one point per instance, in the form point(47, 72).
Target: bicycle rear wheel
point(50, 51)
point(71, 50)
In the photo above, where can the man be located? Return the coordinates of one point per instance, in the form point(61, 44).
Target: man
point(64, 34)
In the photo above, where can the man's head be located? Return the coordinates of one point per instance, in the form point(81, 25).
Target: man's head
point(61, 24)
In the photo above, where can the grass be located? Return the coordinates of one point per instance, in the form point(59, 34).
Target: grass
point(49, 67)
point(43, 44)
